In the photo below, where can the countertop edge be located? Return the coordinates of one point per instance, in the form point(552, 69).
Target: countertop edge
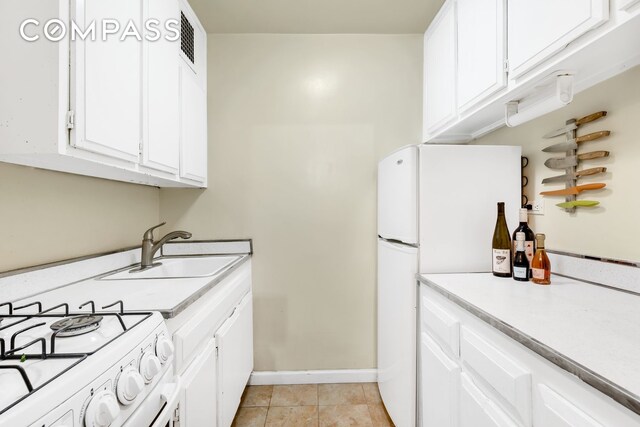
point(600, 383)
point(219, 277)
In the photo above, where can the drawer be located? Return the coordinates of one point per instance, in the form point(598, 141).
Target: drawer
point(477, 410)
point(556, 411)
point(500, 371)
point(440, 324)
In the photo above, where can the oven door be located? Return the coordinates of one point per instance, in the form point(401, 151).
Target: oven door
point(158, 409)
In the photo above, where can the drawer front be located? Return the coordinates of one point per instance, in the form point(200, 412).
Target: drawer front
point(506, 376)
point(441, 324)
point(477, 410)
point(556, 411)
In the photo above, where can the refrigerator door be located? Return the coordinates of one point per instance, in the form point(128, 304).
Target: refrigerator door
point(397, 196)
point(397, 288)
point(459, 188)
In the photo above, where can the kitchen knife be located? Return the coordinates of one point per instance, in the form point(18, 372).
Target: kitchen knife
point(578, 203)
point(572, 144)
point(574, 190)
point(570, 161)
point(578, 174)
point(574, 125)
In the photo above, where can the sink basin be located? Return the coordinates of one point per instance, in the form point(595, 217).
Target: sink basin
point(172, 268)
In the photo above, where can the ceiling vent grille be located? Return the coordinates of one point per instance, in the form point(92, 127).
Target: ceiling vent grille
point(187, 37)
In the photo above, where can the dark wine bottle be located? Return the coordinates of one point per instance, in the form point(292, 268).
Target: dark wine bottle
point(529, 237)
point(520, 260)
point(501, 248)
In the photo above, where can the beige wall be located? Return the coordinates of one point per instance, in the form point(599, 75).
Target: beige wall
point(297, 124)
point(50, 216)
point(610, 230)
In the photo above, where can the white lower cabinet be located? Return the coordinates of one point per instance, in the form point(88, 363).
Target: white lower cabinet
point(495, 381)
point(234, 340)
point(479, 410)
point(214, 351)
point(440, 379)
point(199, 381)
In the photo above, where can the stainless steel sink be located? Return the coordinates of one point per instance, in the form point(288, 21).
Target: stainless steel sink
point(172, 268)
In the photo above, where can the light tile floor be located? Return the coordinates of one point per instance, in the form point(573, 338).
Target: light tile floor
point(312, 405)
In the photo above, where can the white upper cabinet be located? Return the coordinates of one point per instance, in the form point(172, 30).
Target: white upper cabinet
point(193, 98)
point(539, 29)
point(481, 50)
point(440, 70)
point(110, 96)
point(106, 81)
point(162, 119)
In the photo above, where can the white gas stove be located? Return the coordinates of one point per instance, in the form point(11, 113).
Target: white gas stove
point(68, 368)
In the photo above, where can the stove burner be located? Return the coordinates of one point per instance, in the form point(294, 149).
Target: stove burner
point(77, 325)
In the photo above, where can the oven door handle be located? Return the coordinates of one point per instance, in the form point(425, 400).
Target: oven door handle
point(170, 393)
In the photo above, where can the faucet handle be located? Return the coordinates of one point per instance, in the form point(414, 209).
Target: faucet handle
point(148, 235)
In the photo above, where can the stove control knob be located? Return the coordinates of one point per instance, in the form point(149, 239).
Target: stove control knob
point(149, 366)
point(164, 349)
point(129, 386)
point(102, 410)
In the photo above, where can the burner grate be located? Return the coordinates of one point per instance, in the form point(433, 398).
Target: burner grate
point(67, 325)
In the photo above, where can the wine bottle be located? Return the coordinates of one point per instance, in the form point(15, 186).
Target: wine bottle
point(501, 248)
point(541, 266)
point(529, 237)
point(520, 260)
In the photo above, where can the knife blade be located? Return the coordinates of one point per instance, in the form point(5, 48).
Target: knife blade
point(574, 125)
point(572, 144)
point(574, 190)
point(578, 203)
point(578, 174)
point(570, 161)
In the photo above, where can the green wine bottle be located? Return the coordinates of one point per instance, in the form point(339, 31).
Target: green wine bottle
point(501, 248)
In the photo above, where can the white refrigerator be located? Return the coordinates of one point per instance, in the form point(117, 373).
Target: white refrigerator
point(436, 214)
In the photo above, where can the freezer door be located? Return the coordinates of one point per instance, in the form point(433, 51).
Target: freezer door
point(397, 288)
point(397, 196)
point(459, 188)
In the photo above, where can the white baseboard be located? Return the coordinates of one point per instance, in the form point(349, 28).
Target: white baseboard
point(314, 377)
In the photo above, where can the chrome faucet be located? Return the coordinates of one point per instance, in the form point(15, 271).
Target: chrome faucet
point(149, 247)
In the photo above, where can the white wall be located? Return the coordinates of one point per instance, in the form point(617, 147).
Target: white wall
point(611, 229)
point(297, 124)
point(50, 216)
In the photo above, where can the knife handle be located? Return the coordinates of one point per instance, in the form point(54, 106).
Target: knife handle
point(593, 155)
point(591, 117)
point(592, 136)
point(578, 203)
point(592, 171)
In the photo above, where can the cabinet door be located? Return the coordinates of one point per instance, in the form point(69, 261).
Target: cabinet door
point(477, 410)
point(161, 137)
point(235, 359)
point(198, 407)
point(439, 383)
point(440, 70)
point(193, 123)
point(106, 88)
point(556, 411)
point(481, 50)
point(539, 29)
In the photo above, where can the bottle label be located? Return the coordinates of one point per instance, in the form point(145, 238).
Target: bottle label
point(538, 273)
point(528, 249)
point(501, 261)
point(520, 272)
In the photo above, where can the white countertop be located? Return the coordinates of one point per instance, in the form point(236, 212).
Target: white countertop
point(166, 295)
point(596, 327)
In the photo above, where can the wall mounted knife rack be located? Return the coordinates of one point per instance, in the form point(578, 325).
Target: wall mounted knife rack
point(571, 180)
